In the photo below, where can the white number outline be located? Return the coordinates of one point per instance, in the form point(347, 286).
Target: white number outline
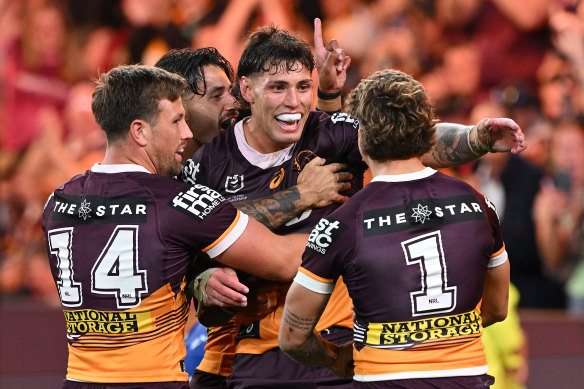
point(70, 292)
point(121, 298)
point(427, 252)
point(60, 242)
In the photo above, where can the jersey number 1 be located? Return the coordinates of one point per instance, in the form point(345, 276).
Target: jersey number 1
point(435, 295)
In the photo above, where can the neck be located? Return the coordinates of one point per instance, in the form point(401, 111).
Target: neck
point(258, 140)
point(122, 155)
point(392, 167)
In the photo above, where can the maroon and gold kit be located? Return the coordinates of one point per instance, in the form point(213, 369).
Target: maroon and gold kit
point(119, 241)
point(230, 166)
point(413, 250)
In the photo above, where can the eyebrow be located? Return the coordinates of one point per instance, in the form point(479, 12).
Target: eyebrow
point(282, 82)
point(216, 88)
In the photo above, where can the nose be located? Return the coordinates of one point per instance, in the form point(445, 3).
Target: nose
point(291, 98)
point(186, 132)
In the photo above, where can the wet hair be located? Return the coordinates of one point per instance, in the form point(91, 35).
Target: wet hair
point(190, 64)
point(270, 49)
point(395, 116)
point(127, 93)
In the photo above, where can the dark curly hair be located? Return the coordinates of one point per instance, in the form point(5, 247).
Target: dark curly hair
point(190, 63)
point(273, 49)
point(395, 116)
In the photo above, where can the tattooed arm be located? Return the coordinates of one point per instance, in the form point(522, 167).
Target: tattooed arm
point(457, 144)
point(318, 186)
point(300, 341)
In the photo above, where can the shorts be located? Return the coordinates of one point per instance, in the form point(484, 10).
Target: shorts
point(204, 380)
point(67, 384)
point(464, 382)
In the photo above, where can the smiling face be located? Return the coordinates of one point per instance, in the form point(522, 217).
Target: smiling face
point(280, 102)
point(214, 111)
point(167, 138)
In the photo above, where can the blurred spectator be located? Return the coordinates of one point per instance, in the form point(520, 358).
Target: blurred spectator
point(241, 17)
point(152, 32)
point(38, 67)
point(62, 150)
point(559, 212)
point(512, 183)
point(506, 348)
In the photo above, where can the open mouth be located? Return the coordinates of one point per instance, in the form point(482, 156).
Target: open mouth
point(289, 120)
point(227, 122)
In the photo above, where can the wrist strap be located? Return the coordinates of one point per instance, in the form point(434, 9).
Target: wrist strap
point(479, 139)
point(197, 287)
point(327, 96)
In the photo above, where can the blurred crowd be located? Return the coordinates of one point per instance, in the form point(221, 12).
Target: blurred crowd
point(477, 58)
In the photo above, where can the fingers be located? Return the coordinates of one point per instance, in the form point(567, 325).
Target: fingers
point(316, 161)
point(318, 42)
point(344, 65)
point(224, 289)
point(336, 166)
point(344, 176)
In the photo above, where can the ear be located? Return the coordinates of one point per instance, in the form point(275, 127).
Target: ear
point(245, 86)
point(139, 132)
point(359, 139)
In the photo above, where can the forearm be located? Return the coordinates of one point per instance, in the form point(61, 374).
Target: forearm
point(453, 147)
point(273, 211)
point(315, 351)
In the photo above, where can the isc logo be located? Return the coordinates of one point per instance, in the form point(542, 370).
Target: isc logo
point(325, 232)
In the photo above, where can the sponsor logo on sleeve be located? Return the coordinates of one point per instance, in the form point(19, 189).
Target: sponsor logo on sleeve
point(190, 171)
point(324, 234)
point(197, 201)
point(491, 205)
point(339, 117)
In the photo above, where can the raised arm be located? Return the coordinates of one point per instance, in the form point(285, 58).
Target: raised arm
point(318, 185)
point(457, 144)
point(300, 341)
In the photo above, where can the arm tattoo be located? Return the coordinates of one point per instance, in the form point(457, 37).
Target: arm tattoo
point(451, 148)
point(297, 322)
point(315, 350)
point(272, 211)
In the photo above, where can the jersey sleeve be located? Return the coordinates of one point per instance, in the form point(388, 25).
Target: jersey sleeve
point(499, 254)
point(217, 223)
point(344, 131)
point(328, 249)
point(193, 171)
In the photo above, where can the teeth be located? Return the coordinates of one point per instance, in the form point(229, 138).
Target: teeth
point(227, 123)
point(289, 117)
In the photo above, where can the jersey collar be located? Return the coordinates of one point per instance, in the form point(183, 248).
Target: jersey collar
point(426, 172)
point(122, 168)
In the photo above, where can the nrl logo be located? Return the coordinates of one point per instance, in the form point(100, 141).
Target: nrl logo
point(234, 184)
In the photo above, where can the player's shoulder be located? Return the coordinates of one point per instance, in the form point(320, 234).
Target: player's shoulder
point(461, 187)
point(454, 183)
point(340, 120)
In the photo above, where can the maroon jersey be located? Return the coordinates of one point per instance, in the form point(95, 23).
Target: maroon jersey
point(231, 167)
point(119, 241)
point(413, 250)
